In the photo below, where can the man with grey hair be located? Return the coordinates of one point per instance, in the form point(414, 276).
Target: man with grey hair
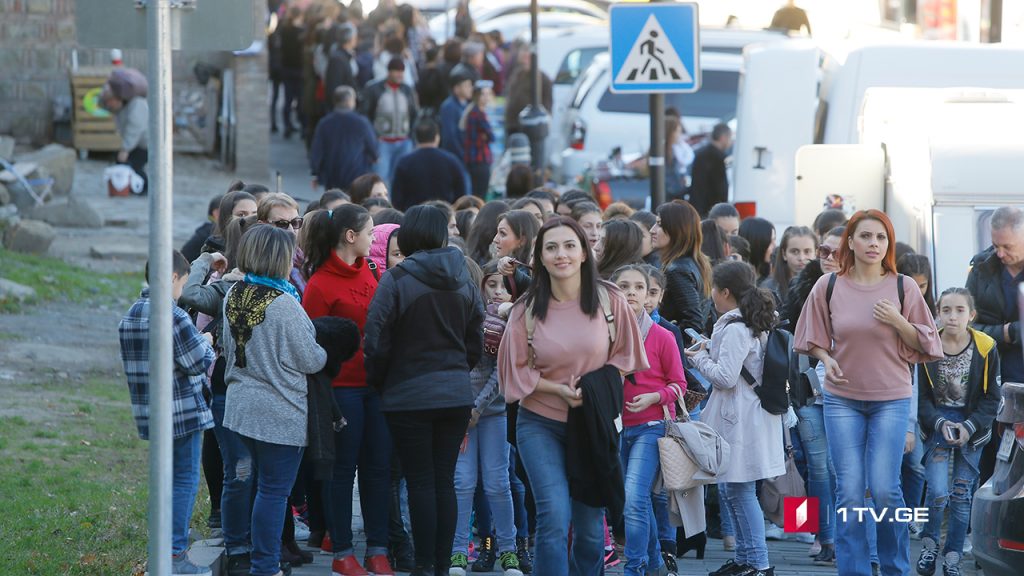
point(344, 144)
point(993, 282)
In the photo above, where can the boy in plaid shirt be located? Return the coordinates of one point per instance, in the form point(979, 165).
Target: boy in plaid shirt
point(193, 355)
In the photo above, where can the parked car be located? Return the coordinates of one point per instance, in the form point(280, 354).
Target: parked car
point(442, 26)
point(517, 24)
point(596, 117)
point(997, 515)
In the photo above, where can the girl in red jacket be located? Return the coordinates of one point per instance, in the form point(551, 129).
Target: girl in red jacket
point(342, 283)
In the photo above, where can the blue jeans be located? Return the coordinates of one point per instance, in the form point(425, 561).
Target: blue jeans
point(747, 518)
point(821, 474)
point(541, 444)
point(965, 472)
point(387, 160)
point(725, 514)
point(236, 498)
point(276, 465)
point(186, 457)
point(640, 460)
point(522, 517)
point(364, 443)
point(666, 531)
point(912, 472)
point(866, 443)
point(486, 457)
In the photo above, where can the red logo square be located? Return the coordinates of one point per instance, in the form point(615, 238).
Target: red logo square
point(800, 514)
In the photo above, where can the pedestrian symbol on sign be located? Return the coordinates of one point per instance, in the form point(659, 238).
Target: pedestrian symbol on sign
point(652, 59)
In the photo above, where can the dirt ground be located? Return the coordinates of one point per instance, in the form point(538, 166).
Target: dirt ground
point(68, 341)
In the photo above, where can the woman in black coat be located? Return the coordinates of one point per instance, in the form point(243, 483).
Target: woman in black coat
point(677, 236)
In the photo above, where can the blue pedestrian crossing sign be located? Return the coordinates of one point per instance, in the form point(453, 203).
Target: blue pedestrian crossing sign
point(655, 48)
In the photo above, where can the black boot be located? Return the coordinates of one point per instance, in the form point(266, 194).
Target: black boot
point(485, 562)
point(523, 553)
point(697, 542)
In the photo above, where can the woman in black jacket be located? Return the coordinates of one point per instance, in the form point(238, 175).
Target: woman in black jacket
point(678, 237)
point(423, 335)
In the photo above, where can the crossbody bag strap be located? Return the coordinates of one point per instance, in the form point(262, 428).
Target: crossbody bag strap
point(531, 326)
point(606, 308)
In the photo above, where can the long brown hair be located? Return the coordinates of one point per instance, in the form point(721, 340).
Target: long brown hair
point(847, 259)
point(680, 220)
point(539, 295)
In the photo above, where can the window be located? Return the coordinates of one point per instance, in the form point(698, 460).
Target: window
point(586, 83)
point(715, 99)
point(575, 63)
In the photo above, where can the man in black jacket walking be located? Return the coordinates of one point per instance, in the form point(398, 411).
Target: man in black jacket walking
point(993, 282)
point(709, 184)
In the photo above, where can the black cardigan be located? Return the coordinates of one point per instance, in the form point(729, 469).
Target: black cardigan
point(592, 459)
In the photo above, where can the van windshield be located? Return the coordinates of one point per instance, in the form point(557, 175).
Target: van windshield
point(715, 99)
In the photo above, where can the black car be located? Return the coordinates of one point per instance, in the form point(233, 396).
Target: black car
point(997, 517)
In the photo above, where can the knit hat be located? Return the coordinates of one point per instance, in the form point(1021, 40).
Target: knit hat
point(379, 247)
point(519, 148)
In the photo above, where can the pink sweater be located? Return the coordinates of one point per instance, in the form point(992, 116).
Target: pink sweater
point(871, 355)
point(666, 368)
point(568, 344)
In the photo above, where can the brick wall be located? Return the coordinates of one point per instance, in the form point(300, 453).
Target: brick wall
point(37, 38)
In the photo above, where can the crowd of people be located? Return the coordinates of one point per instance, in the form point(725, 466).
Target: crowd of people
point(472, 355)
point(470, 362)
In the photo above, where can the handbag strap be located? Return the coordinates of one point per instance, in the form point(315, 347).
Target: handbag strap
point(787, 440)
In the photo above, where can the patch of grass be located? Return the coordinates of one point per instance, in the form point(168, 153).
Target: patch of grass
point(56, 280)
point(74, 486)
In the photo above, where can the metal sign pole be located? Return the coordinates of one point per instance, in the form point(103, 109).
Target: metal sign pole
point(656, 160)
point(161, 433)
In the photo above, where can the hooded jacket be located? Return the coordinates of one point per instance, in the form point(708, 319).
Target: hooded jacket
point(379, 249)
point(983, 392)
point(424, 333)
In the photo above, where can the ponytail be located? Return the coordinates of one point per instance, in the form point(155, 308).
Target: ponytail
point(757, 306)
point(323, 231)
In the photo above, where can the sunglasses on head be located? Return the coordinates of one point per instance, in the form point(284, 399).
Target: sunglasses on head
point(824, 252)
point(295, 223)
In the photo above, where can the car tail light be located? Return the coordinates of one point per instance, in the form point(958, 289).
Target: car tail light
point(602, 193)
point(1006, 544)
point(579, 135)
point(1018, 432)
point(746, 209)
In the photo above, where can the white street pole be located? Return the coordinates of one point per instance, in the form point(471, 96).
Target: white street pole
point(161, 433)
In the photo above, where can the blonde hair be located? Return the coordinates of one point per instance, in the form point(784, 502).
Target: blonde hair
point(266, 251)
point(271, 201)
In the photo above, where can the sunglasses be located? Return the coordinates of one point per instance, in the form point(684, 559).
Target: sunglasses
point(295, 223)
point(824, 252)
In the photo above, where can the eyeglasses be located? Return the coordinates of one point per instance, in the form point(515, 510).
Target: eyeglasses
point(824, 252)
point(295, 223)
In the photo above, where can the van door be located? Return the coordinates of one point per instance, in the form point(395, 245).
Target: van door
point(847, 177)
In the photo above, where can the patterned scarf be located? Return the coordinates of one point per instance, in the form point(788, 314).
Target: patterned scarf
point(279, 284)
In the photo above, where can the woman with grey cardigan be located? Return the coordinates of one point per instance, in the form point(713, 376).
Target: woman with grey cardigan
point(270, 346)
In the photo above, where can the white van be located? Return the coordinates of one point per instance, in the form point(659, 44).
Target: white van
point(821, 101)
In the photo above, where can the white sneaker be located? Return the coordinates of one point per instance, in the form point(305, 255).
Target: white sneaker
point(773, 532)
point(915, 530)
point(815, 548)
point(805, 537)
point(968, 548)
point(301, 530)
point(182, 566)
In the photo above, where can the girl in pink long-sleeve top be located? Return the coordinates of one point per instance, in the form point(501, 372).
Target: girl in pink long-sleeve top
point(867, 335)
point(647, 395)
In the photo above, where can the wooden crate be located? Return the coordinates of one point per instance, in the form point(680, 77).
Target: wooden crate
point(91, 131)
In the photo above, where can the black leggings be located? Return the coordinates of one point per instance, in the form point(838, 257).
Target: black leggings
point(213, 469)
point(428, 447)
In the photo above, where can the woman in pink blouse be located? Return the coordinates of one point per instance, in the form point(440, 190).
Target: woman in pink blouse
point(571, 338)
point(867, 341)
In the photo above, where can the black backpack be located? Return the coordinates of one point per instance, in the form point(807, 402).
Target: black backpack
point(773, 392)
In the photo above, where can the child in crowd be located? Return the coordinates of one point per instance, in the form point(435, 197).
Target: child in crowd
point(957, 403)
point(193, 355)
point(485, 451)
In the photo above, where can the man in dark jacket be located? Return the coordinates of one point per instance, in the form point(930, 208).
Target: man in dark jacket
point(344, 144)
point(709, 184)
point(993, 282)
point(451, 112)
point(342, 68)
point(427, 173)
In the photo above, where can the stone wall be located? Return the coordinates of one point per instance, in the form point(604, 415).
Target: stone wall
point(37, 39)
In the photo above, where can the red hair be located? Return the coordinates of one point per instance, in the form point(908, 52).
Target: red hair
point(846, 256)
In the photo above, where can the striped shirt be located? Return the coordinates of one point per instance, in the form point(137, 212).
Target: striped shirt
point(193, 355)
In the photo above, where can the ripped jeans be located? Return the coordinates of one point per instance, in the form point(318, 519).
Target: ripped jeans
point(965, 472)
point(237, 497)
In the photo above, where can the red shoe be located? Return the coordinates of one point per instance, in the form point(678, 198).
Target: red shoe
point(378, 565)
point(325, 546)
point(348, 566)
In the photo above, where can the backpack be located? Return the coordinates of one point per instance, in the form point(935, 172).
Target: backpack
point(773, 392)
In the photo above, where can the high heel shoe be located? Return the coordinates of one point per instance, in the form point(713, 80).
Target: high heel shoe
point(697, 542)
